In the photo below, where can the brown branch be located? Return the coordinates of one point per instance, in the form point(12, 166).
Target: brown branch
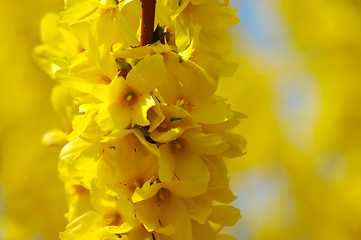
point(148, 14)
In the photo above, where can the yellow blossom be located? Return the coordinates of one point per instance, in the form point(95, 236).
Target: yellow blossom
point(148, 135)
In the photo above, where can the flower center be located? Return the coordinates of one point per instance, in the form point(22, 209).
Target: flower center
point(183, 103)
point(177, 146)
point(163, 194)
point(134, 182)
point(79, 189)
point(112, 218)
point(129, 97)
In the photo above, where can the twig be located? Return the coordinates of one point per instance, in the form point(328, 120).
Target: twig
point(148, 15)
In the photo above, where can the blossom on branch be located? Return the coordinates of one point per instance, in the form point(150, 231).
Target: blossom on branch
point(146, 134)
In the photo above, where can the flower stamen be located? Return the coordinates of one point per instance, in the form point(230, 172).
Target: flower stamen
point(177, 146)
point(129, 97)
point(163, 194)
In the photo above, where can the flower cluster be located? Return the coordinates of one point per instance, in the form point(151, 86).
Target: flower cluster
point(145, 134)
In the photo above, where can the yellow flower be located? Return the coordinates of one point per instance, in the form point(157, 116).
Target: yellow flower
point(173, 121)
point(107, 21)
point(59, 45)
point(153, 203)
point(135, 161)
point(181, 158)
point(128, 100)
point(184, 79)
point(78, 200)
point(111, 216)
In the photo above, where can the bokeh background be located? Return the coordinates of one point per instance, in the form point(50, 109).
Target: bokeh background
point(298, 81)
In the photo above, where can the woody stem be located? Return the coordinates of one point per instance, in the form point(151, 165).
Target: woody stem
point(148, 14)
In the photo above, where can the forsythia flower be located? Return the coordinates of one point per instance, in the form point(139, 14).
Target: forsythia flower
point(146, 133)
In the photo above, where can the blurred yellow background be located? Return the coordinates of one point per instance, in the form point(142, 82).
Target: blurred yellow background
point(298, 81)
point(32, 201)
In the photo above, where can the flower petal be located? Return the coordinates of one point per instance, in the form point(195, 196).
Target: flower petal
point(115, 89)
point(190, 167)
point(155, 116)
point(140, 110)
point(121, 116)
point(148, 190)
point(207, 144)
point(211, 113)
point(147, 74)
point(82, 225)
point(165, 137)
point(166, 164)
point(203, 231)
point(174, 213)
point(199, 208)
point(225, 215)
point(186, 189)
point(148, 213)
